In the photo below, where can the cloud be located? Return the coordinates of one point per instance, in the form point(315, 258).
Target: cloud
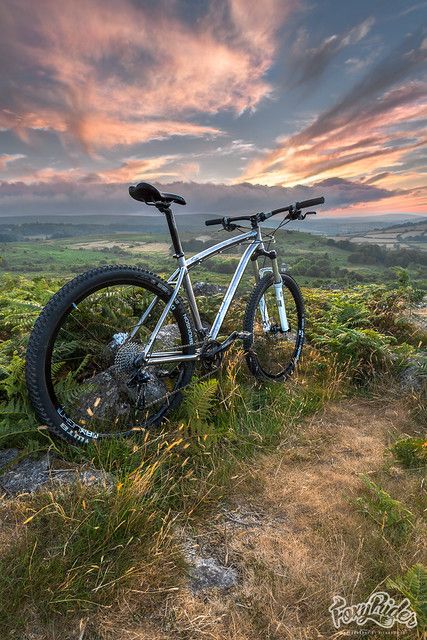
point(373, 126)
point(87, 194)
point(130, 169)
point(109, 72)
point(6, 158)
point(309, 63)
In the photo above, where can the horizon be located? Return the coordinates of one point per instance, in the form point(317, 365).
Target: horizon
point(240, 106)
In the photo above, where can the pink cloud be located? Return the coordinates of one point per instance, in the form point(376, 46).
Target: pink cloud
point(374, 127)
point(380, 135)
point(6, 158)
point(107, 73)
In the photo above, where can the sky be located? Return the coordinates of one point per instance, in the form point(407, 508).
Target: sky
point(238, 105)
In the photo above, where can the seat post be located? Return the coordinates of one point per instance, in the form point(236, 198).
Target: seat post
point(176, 242)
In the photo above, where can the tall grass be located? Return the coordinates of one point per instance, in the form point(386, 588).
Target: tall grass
point(80, 548)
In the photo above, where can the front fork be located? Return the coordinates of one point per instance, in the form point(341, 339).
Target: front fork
point(278, 290)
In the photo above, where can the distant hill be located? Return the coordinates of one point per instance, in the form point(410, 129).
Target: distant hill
point(408, 235)
point(355, 224)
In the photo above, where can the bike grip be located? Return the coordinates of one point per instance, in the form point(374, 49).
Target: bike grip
point(210, 223)
point(310, 203)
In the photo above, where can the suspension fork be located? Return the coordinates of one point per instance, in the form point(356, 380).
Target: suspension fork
point(280, 299)
point(278, 290)
point(262, 304)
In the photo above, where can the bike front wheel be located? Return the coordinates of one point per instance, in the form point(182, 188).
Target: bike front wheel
point(272, 353)
point(82, 373)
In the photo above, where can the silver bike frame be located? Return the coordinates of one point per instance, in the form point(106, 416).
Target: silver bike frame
point(180, 277)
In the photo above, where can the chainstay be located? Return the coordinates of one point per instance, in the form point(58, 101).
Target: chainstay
point(171, 394)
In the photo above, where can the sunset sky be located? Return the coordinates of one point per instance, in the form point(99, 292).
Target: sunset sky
point(245, 104)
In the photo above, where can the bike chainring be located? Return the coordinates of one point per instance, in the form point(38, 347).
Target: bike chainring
point(211, 361)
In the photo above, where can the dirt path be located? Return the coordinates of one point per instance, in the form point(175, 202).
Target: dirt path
point(293, 534)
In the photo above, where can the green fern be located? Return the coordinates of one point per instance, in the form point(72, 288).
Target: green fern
point(410, 452)
point(394, 519)
point(198, 411)
point(200, 399)
point(413, 585)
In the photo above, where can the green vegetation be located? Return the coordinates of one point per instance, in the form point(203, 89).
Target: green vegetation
point(413, 585)
point(51, 248)
point(395, 521)
point(410, 452)
point(78, 549)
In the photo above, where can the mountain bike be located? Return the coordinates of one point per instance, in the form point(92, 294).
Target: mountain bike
point(112, 351)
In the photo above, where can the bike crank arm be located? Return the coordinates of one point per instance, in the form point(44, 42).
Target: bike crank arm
point(223, 346)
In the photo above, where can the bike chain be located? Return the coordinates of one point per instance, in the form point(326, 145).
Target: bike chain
point(171, 394)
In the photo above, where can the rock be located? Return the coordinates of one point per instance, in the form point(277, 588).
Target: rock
point(244, 518)
point(419, 315)
point(6, 456)
point(206, 572)
point(87, 477)
point(30, 475)
point(27, 476)
point(207, 289)
point(109, 394)
point(414, 376)
point(168, 337)
point(101, 398)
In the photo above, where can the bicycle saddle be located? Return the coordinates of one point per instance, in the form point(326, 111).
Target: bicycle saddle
point(145, 192)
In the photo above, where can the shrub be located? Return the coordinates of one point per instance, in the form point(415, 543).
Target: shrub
point(394, 519)
point(410, 452)
point(413, 585)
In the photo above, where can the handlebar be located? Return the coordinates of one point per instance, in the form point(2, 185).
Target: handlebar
point(310, 203)
point(294, 213)
point(209, 223)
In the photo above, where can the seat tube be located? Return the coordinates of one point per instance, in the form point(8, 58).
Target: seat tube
point(191, 298)
point(179, 254)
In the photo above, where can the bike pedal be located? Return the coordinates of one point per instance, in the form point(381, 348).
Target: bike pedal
point(243, 335)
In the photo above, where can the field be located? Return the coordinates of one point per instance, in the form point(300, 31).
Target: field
point(411, 235)
point(316, 260)
point(254, 504)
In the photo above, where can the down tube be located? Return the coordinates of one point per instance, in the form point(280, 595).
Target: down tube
point(232, 290)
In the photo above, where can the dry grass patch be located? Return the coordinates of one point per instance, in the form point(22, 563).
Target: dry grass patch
point(310, 542)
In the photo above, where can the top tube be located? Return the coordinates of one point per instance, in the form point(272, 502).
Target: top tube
point(216, 248)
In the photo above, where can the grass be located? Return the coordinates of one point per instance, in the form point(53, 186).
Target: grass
point(62, 257)
point(395, 521)
point(410, 452)
point(311, 542)
point(80, 548)
point(80, 551)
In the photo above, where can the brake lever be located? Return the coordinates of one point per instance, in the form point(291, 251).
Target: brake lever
point(227, 225)
point(302, 216)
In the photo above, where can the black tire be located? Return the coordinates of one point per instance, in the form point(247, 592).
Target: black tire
point(257, 367)
point(39, 353)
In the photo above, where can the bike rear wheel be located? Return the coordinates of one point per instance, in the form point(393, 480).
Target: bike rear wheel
point(271, 353)
point(81, 373)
